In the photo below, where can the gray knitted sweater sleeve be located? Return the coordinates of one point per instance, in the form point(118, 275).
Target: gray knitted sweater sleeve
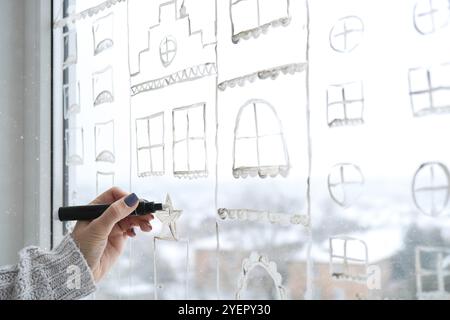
point(60, 274)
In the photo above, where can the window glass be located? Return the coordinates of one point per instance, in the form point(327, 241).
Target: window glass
point(299, 150)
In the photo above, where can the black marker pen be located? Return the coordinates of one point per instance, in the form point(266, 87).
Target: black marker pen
point(91, 212)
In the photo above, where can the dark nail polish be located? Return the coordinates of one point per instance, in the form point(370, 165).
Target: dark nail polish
point(131, 200)
point(133, 232)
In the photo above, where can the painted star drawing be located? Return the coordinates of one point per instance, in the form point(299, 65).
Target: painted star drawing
point(169, 217)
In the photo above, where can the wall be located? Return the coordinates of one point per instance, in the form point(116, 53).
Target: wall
point(12, 128)
point(25, 65)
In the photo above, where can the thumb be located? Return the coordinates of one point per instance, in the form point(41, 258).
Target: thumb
point(116, 212)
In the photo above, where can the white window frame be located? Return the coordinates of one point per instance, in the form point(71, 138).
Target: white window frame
point(38, 133)
point(58, 165)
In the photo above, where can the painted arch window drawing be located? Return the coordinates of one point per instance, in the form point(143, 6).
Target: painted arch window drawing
point(168, 50)
point(431, 15)
point(71, 100)
point(70, 48)
point(345, 104)
point(251, 263)
point(102, 86)
point(429, 89)
point(189, 141)
point(345, 184)
point(104, 142)
point(432, 273)
point(431, 188)
point(150, 145)
point(348, 259)
point(74, 139)
point(102, 30)
point(104, 181)
point(346, 34)
point(259, 145)
point(251, 18)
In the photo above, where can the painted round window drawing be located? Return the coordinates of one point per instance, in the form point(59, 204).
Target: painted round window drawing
point(168, 50)
point(346, 34)
point(259, 145)
point(345, 184)
point(430, 188)
point(431, 15)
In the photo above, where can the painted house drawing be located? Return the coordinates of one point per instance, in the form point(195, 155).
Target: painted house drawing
point(262, 106)
point(234, 127)
point(173, 116)
point(171, 139)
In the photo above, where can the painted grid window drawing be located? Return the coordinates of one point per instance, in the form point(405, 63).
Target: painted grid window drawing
point(150, 145)
point(431, 188)
point(103, 33)
point(430, 90)
point(104, 142)
point(102, 86)
point(74, 139)
point(431, 15)
point(259, 145)
point(348, 259)
point(345, 184)
point(346, 34)
point(251, 18)
point(189, 144)
point(345, 104)
point(432, 273)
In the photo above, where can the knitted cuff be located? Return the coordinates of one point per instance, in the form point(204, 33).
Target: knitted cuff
point(74, 279)
point(67, 272)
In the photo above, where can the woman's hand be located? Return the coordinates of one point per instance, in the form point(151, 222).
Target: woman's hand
point(102, 240)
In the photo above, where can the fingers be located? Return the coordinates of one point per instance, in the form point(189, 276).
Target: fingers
point(131, 233)
point(138, 219)
point(145, 226)
point(110, 196)
point(115, 213)
point(141, 221)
